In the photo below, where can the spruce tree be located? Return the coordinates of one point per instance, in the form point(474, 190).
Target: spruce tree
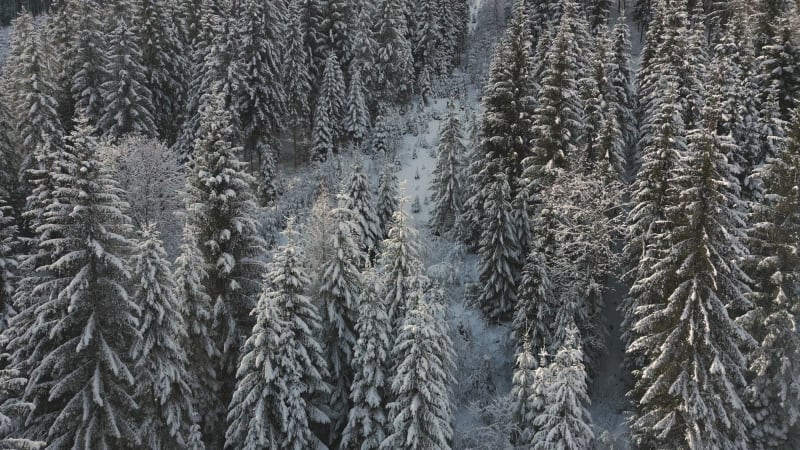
point(367, 424)
point(356, 117)
point(499, 252)
point(556, 119)
point(282, 370)
point(358, 199)
point(537, 305)
point(260, 99)
point(395, 63)
point(90, 66)
point(421, 411)
point(526, 393)
point(31, 94)
point(426, 36)
point(202, 352)
point(160, 366)
point(621, 80)
point(127, 101)
point(447, 185)
point(339, 289)
point(388, 200)
point(8, 262)
point(296, 73)
point(402, 265)
point(328, 112)
point(647, 224)
point(564, 422)
point(689, 390)
point(772, 394)
point(90, 319)
point(777, 65)
point(221, 207)
point(164, 64)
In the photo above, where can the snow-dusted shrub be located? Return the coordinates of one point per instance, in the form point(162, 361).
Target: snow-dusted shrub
point(443, 273)
point(152, 180)
point(494, 428)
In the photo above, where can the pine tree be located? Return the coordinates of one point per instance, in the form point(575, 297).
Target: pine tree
point(160, 366)
point(388, 198)
point(282, 370)
point(447, 184)
point(772, 394)
point(402, 265)
point(329, 110)
point(221, 207)
point(202, 352)
point(421, 411)
point(260, 99)
point(13, 410)
point(364, 49)
point(395, 63)
point(367, 424)
point(499, 253)
point(688, 393)
point(356, 118)
point(164, 64)
point(340, 285)
point(90, 320)
point(358, 199)
point(565, 423)
point(526, 393)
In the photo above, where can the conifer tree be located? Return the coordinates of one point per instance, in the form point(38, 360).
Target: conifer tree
point(296, 73)
point(32, 101)
point(647, 224)
point(402, 265)
point(282, 371)
point(160, 365)
point(340, 285)
point(556, 119)
point(202, 352)
point(364, 49)
point(447, 185)
point(127, 101)
point(13, 409)
point(90, 66)
point(8, 262)
point(338, 26)
point(506, 121)
point(527, 393)
point(358, 199)
point(776, 65)
point(564, 421)
point(388, 200)
point(395, 63)
point(91, 322)
point(421, 411)
point(329, 110)
point(689, 390)
point(164, 64)
point(772, 394)
point(221, 207)
point(426, 37)
point(499, 252)
point(367, 424)
point(260, 99)
point(536, 304)
point(356, 118)
point(621, 80)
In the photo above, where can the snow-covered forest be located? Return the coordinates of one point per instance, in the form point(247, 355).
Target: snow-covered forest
point(400, 224)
